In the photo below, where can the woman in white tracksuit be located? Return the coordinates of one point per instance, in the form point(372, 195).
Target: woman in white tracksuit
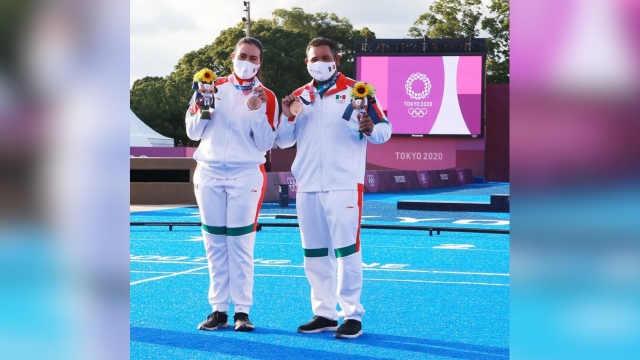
point(230, 181)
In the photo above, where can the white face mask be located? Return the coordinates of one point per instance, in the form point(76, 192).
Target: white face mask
point(244, 69)
point(321, 71)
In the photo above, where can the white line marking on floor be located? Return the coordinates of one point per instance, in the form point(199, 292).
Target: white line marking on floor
point(159, 240)
point(414, 220)
point(166, 276)
point(439, 282)
point(454, 246)
point(277, 275)
point(368, 279)
point(442, 272)
point(367, 269)
point(390, 247)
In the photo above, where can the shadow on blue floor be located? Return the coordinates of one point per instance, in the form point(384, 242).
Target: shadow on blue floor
point(258, 350)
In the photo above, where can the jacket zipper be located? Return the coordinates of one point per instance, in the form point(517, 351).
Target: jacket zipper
point(226, 143)
point(319, 138)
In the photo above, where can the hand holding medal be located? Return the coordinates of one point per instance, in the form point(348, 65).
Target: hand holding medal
point(253, 103)
point(258, 96)
point(295, 108)
point(291, 106)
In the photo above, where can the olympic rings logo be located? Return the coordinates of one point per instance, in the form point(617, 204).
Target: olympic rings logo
point(371, 179)
point(293, 187)
point(417, 112)
point(408, 86)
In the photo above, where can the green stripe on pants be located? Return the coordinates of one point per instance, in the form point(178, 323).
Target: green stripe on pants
point(239, 231)
point(345, 251)
point(316, 252)
point(215, 230)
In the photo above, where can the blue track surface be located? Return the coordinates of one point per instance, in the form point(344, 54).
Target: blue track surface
point(426, 297)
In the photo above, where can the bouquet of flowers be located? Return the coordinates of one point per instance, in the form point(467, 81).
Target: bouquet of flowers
point(361, 95)
point(203, 84)
point(205, 76)
point(362, 99)
point(362, 91)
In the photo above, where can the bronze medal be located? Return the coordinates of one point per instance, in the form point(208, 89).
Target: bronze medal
point(254, 103)
point(295, 108)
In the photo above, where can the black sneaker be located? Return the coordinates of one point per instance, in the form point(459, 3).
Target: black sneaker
point(242, 322)
point(214, 321)
point(318, 324)
point(350, 329)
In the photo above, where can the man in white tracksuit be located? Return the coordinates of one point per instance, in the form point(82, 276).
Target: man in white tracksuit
point(329, 169)
point(230, 181)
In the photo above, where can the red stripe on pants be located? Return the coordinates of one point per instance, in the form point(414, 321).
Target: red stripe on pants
point(264, 190)
point(360, 194)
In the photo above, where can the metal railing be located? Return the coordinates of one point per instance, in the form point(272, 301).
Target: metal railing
point(430, 229)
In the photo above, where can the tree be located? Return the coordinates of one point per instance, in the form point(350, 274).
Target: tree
point(162, 102)
point(448, 19)
point(283, 68)
point(147, 99)
point(340, 30)
point(498, 45)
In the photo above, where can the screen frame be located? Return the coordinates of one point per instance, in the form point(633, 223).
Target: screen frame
point(421, 54)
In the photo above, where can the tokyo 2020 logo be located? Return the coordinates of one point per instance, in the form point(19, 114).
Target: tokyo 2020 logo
point(408, 86)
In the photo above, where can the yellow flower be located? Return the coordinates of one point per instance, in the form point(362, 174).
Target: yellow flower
point(372, 90)
point(208, 76)
point(359, 91)
point(205, 76)
point(198, 76)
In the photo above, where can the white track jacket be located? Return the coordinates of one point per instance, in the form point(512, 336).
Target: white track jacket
point(330, 153)
point(235, 140)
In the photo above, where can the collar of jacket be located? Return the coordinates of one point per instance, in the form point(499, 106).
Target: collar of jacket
point(233, 80)
point(341, 84)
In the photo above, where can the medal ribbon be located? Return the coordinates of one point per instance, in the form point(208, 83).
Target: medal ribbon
point(324, 87)
point(246, 87)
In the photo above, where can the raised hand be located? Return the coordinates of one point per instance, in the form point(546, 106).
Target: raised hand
point(366, 125)
point(259, 91)
point(286, 103)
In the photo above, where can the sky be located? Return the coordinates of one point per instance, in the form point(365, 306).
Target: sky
point(162, 31)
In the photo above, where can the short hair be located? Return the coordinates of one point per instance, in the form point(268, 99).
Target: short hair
point(252, 41)
point(319, 41)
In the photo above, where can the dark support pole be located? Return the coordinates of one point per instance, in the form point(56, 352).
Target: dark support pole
point(284, 195)
point(430, 229)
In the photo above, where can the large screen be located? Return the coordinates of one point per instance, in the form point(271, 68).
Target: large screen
point(434, 95)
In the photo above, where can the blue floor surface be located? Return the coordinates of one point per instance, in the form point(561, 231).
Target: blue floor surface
point(426, 297)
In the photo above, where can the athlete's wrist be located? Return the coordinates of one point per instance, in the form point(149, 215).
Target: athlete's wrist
point(286, 118)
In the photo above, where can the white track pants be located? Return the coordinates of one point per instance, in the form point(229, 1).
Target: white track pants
point(229, 211)
point(330, 230)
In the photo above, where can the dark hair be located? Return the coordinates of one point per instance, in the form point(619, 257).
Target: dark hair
point(319, 41)
point(252, 41)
